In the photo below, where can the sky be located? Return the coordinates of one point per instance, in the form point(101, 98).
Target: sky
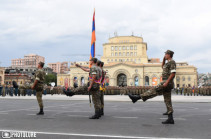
point(60, 30)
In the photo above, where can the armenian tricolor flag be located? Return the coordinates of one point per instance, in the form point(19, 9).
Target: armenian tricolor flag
point(93, 38)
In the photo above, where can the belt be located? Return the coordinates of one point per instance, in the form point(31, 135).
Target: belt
point(165, 78)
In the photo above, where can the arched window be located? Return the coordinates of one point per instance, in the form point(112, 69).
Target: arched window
point(183, 78)
point(146, 80)
point(178, 78)
point(189, 78)
point(136, 80)
point(82, 81)
point(75, 82)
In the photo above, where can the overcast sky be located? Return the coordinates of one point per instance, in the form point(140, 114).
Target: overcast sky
point(60, 30)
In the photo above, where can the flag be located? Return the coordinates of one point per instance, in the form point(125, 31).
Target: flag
point(92, 54)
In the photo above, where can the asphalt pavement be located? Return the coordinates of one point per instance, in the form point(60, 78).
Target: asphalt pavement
point(68, 119)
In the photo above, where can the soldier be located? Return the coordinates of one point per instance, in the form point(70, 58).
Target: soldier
point(185, 90)
point(39, 85)
point(165, 87)
point(93, 87)
point(103, 88)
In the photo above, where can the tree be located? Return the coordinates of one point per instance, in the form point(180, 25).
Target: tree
point(50, 78)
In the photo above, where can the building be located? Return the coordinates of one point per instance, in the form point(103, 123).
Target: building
point(59, 67)
point(29, 61)
point(1, 76)
point(127, 64)
point(21, 79)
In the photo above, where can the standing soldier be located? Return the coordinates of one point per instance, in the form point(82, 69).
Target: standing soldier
point(93, 87)
point(103, 88)
point(185, 90)
point(165, 87)
point(39, 85)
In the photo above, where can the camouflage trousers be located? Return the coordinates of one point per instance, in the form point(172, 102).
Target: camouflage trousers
point(80, 90)
point(96, 99)
point(96, 95)
point(102, 99)
point(160, 90)
point(39, 99)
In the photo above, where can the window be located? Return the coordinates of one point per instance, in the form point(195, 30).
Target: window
point(123, 53)
point(116, 60)
point(178, 78)
point(112, 54)
point(123, 47)
point(135, 53)
point(120, 54)
point(127, 53)
point(183, 78)
point(128, 48)
point(116, 48)
point(135, 47)
point(112, 48)
point(131, 47)
point(189, 78)
point(146, 80)
point(108, 60)
point(131, 53)
point(116, 54)
point(120, 48)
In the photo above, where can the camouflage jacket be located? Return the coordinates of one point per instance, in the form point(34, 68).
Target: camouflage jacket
point(168, 68)
point(94, 70)
point(40, 77)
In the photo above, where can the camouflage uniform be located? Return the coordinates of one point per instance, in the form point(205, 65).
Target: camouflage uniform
point(39, 76)
point(102, 91)
point(94, 70)
point(168, 68)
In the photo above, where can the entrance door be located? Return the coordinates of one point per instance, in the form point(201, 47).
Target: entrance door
point(122, 80)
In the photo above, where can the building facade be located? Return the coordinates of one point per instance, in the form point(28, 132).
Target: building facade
point(59, 67)
point(1, 76)
point(21, 79)
point(29, 61)
point(127, 64)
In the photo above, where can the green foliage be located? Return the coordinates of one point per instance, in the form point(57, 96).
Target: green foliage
point(50, 78)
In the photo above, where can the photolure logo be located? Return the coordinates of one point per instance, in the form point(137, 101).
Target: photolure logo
point(18, 134)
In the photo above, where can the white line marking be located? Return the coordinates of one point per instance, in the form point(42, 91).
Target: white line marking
point(38, 108)
point(77, 116)
point(182, 119)
point(92, 135)
point(124, 117)
point(31, 114)
point(3, 113)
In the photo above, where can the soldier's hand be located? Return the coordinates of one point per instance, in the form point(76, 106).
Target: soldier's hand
point(89, 88)
point(32, 87)
point(165, 84)
point(76, 65)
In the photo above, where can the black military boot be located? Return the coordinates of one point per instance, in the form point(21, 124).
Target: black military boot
point(134, 98)
point(41, 112)
point(170, 119)
point(102, 112)
point(166, 113)
point(96, 115)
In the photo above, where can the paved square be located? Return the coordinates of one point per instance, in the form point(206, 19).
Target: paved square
point(69, 119)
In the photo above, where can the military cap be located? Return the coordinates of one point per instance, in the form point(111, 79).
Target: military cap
point(98, 62)
point(93, 59)
point(41, 64)
point(169, 52)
